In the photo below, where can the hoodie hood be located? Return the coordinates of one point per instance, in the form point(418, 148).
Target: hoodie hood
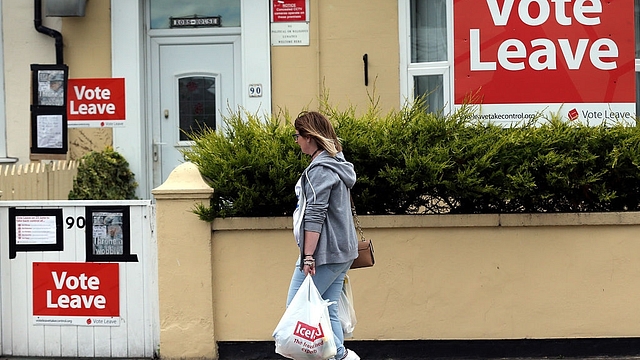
point(338, 164)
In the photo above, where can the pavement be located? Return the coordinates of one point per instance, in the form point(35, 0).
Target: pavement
point(414, 357)
point(516, 349)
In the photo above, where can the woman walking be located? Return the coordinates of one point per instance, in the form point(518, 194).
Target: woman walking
point(323, 223)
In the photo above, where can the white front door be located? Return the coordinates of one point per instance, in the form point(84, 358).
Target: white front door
point(193, 85)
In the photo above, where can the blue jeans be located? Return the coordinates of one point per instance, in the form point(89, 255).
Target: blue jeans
point(329, 279)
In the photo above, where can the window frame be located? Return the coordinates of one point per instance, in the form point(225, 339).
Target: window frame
point(409, 70)
point(3, 109)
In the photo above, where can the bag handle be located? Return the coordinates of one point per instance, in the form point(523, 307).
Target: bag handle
point(356, 220)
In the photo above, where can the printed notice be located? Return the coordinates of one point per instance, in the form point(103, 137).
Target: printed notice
point(290, 34)
point(289, 10)
point(35, 230)
point(49, 131)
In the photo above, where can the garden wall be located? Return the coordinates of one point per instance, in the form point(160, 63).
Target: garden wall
point(436, 277)
point(449, 277)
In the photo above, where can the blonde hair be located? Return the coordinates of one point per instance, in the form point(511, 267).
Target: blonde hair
point(317, 126)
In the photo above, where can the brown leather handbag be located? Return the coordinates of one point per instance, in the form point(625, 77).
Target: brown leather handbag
point(365, 247)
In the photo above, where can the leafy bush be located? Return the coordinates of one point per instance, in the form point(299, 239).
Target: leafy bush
point(415, 162)
point(103, 176)
point(252, 166)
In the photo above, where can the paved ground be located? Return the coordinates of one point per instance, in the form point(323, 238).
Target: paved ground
point(275, 357)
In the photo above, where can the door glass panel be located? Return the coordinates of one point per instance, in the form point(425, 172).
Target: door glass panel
point(430, 86)
point(162, 10)
point(197, 105)
point(428, 30)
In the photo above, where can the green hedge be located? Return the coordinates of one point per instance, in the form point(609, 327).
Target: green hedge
point(415, 162)
point(103, 175)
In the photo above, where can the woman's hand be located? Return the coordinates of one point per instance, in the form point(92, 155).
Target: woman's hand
point(310, 243)
point(309, 265)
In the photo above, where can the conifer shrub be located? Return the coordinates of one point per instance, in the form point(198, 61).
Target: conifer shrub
point(252, 166)
point(103, 175)
point(413, 161)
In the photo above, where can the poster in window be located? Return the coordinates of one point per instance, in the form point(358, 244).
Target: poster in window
point(108, 234)
point(51, 87)
point(49, 138)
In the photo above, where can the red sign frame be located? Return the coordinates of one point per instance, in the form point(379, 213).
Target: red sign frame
point(76, 289)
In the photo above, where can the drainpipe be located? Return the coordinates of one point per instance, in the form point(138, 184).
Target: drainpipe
point(37, 21)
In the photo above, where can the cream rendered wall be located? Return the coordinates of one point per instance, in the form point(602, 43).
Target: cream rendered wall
point(87, 51)
point(23, 46)
point(513, 276)
point(341, 32)
point(185, 287)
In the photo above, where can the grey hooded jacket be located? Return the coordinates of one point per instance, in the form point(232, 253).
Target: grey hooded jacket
point(326, 185)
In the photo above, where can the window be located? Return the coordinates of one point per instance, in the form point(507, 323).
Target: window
point(163, 10)
point(197, 105)
point(427, 53)
point(431, 87)
point(428, 31)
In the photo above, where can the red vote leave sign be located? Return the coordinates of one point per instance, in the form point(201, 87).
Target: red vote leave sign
point(76, 289)
point(544, 51)
point(96, 99)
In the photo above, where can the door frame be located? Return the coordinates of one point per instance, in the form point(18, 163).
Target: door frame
point(129, 55)
point(155, 111)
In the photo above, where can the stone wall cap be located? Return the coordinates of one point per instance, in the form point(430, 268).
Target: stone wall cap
point(184, 180)
point(631, 218)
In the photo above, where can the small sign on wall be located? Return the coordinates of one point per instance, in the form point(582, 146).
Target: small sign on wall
point(290, 22)
point(194, 21)
point(289, 10)
point(290, 34)
point(255, 90)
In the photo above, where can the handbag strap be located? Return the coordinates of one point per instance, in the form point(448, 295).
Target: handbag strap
point(356, 220)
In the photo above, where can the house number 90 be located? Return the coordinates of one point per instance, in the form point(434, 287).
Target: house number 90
point(79, 222)
point(255, 90)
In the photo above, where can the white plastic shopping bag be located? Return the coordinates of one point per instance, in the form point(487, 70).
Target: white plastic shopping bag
point(304, 331)
point(346, 310)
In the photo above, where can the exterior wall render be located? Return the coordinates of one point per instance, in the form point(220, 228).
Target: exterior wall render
point(23, 46)
point(87, 51)
point(448, 277)
point(455, 277)
point(340, 34)
point(187, 327)
point(87, 47)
